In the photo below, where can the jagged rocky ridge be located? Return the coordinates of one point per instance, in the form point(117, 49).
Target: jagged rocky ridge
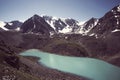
point(51, 25)
point(109, 23)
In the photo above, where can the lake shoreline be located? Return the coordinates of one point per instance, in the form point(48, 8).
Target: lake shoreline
point(86, 67)
point(58, 75)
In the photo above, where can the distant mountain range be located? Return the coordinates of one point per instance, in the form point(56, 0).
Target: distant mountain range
point(56, 25)
point(8, 26)
point(52, 25)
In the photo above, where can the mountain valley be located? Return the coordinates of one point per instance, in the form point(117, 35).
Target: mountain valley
point(95, 38)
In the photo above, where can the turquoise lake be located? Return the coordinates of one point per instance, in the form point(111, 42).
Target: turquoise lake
point(93, 69)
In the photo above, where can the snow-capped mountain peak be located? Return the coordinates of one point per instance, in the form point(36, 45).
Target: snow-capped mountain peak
point(13, 25)
point(59, 25)
point(87, 26)
point(10, 23)
point(109, 23)
point(37, 25)
point(62, 25)
point(2, 24)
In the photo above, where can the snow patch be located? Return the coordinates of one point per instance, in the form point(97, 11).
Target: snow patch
point(63, 19)
point(55, 18)
point(116, 30)
point(17, 29)
point(34, 25)
point(116, 16)
point(67, 29)
point(51, 23)
point(33, 22)
point(10, 24)
point(66, 37)
point(96, 22)
point(90, 27)
point(81, 29)
point(118, 8)
point(42, 15)
point(92, 34)
point(2, 24)
point(51, 33)
point(96, 36)
point(117, 21)
point(60, 23)
point(112, 11)
point(81, 23)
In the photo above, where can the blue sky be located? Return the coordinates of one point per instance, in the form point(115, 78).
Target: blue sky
point(77, 9)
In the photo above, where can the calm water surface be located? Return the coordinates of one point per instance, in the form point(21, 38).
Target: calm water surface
point(87, 67)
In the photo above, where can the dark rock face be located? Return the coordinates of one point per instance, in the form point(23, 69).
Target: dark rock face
point(73, 24)
point(109, 22)
point(90, 23)
point(36, 24)
point(57, 24)
point(14, 25)
point(107, 30)
point(13, 61)
point(60, 24)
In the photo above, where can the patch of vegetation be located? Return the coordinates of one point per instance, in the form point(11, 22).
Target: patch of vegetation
point(64, 47)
